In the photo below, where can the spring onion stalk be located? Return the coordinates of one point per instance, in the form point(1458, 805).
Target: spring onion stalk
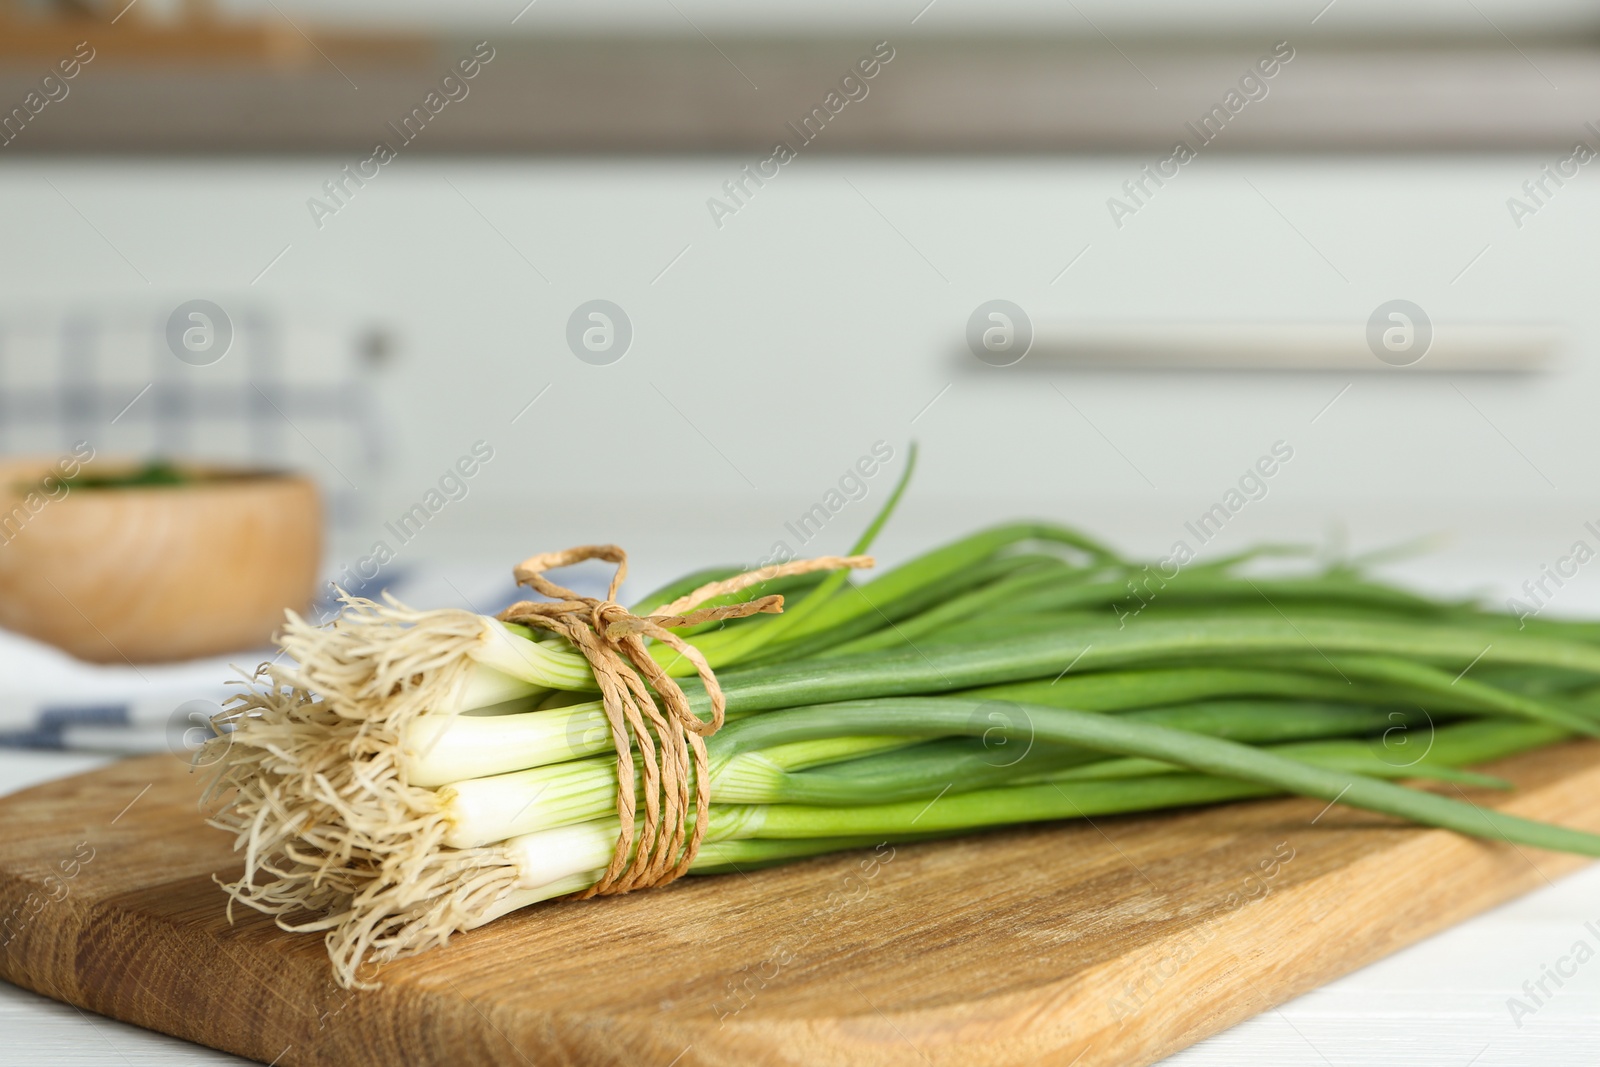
point(485, 810)
point(403, 775)
point(554, 794)
point(557, 860)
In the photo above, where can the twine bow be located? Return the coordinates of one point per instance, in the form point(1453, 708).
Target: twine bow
point(669, 736)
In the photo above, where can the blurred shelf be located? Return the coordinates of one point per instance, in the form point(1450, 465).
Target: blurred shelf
point(937, 95)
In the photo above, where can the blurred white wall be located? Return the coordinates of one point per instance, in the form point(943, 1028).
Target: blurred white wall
point(769, 354)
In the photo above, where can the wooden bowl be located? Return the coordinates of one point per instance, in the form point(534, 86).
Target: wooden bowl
point(146, 573)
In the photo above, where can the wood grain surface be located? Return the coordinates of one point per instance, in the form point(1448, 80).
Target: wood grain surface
point(1116, 942)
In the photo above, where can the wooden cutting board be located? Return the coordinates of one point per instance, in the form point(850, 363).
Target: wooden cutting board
point(1112, 943)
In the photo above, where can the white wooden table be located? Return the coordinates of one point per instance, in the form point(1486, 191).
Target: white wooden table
point(1441, 1003)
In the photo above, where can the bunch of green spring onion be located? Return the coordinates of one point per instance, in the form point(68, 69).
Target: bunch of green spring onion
point(413, 774)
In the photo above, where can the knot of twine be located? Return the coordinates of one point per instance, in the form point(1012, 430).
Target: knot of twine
point(669, 737)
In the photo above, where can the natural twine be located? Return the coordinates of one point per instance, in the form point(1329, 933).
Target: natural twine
point(611, 638)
